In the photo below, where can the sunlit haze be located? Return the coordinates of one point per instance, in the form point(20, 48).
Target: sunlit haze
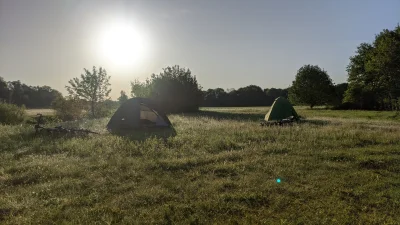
point(226, 43)
point(122, 44)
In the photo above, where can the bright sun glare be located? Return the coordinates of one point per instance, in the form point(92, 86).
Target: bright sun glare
point(122, 44)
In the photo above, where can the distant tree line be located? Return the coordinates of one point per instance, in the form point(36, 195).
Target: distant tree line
point(251, 95)
point(373, 83)
point(15, 92)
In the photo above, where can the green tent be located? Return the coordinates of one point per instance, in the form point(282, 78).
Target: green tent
point(281, 109)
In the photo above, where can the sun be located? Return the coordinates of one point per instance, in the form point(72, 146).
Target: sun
point(123, 44)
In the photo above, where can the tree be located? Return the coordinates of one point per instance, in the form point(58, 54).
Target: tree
point(3, 90)
point(340, 89)
point(91, 86)
point(123, 98)
point(374, 73)
point(251, 95)
point(385, 65)
point(276, 92)
point(17, 93)
point(175, 89)
point(362, 85)
point(215, 97)
point(141, 89)
point(312, 86)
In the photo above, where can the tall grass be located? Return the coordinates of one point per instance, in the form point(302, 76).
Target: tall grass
point(221, 168)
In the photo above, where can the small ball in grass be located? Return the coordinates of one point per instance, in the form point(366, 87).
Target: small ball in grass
point(278, 180)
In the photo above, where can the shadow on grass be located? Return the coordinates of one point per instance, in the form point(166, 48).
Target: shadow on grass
point(315, 122)
point(146, 133)
point(226, 115)
point(255, 117)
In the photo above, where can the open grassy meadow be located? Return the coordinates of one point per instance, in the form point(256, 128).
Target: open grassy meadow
point(338, 167)
point(33, 112)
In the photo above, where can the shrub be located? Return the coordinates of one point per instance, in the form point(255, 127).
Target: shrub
point(11, 114)
point(68, 109)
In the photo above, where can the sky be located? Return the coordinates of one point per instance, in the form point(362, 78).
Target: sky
point(225, 43)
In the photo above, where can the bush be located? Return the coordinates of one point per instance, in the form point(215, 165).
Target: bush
point(11, 114)
point(68, 109)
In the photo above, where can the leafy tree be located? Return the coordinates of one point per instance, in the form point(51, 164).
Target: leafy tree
point(312, 86)
point(362, 86)
point(374, 73)
point(340, 89)
point(175, 89)
point(141, 89)
point(3, 90)
point(276, 92)
point(40, 96)
point(91, 86)
point(251, 95)
point(123, 98)
point(215, 97)
point(18, 93)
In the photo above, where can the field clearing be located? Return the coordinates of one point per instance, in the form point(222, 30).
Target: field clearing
point(339, 167)
point(34, 112)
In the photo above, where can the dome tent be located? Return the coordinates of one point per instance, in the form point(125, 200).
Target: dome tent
point(281, 109)
point(137, 114)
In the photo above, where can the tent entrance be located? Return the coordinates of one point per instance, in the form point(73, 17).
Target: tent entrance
point(149, 117)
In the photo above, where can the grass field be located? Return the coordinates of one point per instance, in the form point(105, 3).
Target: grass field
point(339, 167)
point(33, 112)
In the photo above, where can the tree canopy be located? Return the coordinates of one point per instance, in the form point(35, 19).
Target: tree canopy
point(123, 97)
point(374, 73)
point(93, 87)
point(175, 89)
point(251, 95)
point(312, 86)
point(18, 93)
point(3, 90)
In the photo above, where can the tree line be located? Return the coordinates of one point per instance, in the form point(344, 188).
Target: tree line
point(17, 93)
point(373, 83)
point(251, 95)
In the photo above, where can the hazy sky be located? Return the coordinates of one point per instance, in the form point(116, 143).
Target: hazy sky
point(226, 43)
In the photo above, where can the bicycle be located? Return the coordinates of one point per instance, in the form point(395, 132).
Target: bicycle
point(58, 129)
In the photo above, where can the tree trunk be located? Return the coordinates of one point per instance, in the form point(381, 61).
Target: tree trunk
point(92, 108)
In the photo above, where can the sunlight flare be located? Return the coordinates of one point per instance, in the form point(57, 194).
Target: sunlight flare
point(123, 44)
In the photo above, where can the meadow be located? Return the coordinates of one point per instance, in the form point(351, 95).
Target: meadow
point(222, 167)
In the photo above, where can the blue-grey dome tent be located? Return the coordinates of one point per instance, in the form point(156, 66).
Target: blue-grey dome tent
point(137, 114)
